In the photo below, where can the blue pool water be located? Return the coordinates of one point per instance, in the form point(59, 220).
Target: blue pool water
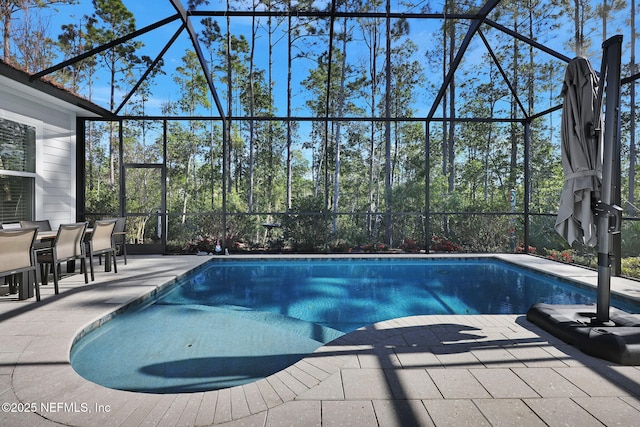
point(235, 321)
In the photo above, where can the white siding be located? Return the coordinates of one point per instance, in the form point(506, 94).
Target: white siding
point(55, 154)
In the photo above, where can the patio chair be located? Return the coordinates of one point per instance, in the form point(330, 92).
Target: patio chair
point(41, 225)
point(67, 246)
point(120, 236)
point(101, 242)
point(17, 256)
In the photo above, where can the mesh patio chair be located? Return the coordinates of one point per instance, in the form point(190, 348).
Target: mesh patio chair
point(101, 243)
point(120, 236)
point(17, 256)
point(67, 246)
point(41, 225)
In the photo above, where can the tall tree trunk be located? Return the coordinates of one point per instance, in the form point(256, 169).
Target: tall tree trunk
point(632, 120)
point(531, 72)
point(578, 25)
point(513, 132)
point(387, 133)
point(251, 112)
point(6, 31)
point(605, 9)
point(452, 113)
point(487, 150)
point(212, 165)
point(185, 192)
point(269, 197)
point(446, 57)
point(112, 103)
point(373, 60)
point(340, 112)
point(289, 137)
point(90, 136)
point(229, 102)
point(445, 97)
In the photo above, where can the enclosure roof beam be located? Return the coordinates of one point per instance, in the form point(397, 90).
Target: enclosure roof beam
point(504, 75)
point(342, 119)
point(631, 78)
point(149, 69)
point(545, 112)
point(329, 14)
point(184, 15)
point(104, 47)
point(527, 40)
point(473, 28)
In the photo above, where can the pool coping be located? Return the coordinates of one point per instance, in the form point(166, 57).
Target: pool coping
point(34, 367)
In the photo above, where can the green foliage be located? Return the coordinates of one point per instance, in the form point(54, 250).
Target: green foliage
point(630, 238)
point(542, 233)
point(340, 246)
point(304, 226)
point(475, 233)
point(103, 199)
point(631, 267)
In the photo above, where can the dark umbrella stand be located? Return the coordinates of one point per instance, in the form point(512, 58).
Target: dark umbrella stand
point(609, 216)
point(590, 162)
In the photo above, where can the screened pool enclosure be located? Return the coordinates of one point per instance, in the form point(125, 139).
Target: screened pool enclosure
point(338, 126)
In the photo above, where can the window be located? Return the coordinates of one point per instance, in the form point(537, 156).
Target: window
point(17, 171)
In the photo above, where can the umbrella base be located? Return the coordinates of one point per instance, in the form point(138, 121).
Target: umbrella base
point(617, 340)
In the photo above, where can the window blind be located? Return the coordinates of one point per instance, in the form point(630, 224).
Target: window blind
point(17, 154)
point(17, 146)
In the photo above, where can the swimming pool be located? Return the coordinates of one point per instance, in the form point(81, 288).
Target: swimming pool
point(234, 321)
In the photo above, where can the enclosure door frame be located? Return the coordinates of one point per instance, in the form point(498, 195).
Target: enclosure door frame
point(160, 214)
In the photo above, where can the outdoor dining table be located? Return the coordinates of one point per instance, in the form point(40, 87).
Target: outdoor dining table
point(44, 236)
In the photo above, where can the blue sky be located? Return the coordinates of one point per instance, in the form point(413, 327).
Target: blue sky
point(156, 40)
point(147, 12)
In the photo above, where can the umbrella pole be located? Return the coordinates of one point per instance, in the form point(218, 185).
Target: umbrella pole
point(609, 216)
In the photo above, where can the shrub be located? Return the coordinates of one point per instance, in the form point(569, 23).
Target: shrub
point(631, 267)
point(441, 244)
point(562, 256)
point(208, 244)
point(375, 247)
point(520, 249)
point(303, 231)
point(340, 246)
point(410, 245)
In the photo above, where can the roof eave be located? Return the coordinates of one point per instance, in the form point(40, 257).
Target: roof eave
point(82, 107)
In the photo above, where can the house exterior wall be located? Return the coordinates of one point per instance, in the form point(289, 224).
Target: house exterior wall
point(55, 182)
